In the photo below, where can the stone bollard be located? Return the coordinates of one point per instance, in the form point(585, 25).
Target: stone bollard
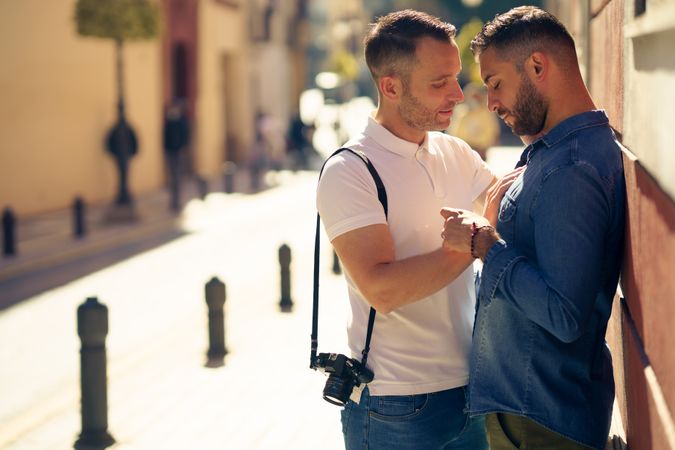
point(92, 327)
point(229, 171)
point(337, 270)
point(286, 304)
point(8, 232)
point(79, 224)
point(215, 300)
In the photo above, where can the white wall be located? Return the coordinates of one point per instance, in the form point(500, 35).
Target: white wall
point(649, 111)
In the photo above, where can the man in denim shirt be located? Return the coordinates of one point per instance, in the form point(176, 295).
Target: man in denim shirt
point(540, 369)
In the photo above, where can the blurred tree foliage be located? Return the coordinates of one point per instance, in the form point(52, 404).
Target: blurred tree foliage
point(345, 64)
point(117, 19)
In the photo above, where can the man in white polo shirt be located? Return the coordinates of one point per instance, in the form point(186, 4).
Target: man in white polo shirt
point(424, 295)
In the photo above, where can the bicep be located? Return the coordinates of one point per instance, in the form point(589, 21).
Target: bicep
point(362, 250)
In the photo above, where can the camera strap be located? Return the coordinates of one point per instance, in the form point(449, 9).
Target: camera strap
point(382, 196)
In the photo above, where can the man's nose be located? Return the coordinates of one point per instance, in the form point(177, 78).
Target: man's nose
point(492, 103)
point(456, 93)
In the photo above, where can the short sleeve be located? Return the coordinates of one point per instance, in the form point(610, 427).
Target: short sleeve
point(473, 164)
point(347, 196)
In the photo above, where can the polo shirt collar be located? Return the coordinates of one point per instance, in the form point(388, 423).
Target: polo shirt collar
point(393, 143)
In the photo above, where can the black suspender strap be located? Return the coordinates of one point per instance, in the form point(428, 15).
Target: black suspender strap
point(382, 196)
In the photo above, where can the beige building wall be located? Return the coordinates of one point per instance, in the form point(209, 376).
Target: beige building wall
point(58, 102)
point(224, 115)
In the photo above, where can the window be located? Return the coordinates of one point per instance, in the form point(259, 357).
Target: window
point(640, 7)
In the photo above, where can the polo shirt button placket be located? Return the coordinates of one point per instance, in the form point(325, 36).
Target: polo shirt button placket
point(423, 156)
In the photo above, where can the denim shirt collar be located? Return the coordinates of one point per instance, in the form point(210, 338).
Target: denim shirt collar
point(562, 130)
point(571, 124)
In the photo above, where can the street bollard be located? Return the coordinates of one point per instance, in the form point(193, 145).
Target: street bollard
point(337, 270)
point(79, 225)
point(92, 327)
point(286, 304)
point(229, 171)
point(8, 232)
point(202, 187)
point(215, 300)
point(255, 175)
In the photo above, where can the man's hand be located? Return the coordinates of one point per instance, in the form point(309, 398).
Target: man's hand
point(462, 227)
point(457, 229)
point(496, 193)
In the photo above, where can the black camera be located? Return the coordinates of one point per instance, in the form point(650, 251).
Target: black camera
point(343, 374)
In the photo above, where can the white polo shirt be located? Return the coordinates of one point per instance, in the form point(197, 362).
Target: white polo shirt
point(424, 346)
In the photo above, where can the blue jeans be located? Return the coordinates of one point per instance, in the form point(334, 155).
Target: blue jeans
point(432, 421)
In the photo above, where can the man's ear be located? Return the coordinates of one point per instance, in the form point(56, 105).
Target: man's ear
point(537, 66)
point(390, 87)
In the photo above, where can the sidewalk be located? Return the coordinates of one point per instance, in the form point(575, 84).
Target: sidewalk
point(47, 240)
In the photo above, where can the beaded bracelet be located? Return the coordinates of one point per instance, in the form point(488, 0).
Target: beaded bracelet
point(474, 231)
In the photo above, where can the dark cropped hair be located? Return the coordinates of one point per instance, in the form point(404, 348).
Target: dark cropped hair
point(391, 42)
point(517, 33)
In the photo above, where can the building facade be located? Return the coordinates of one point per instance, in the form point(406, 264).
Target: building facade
point(59, 94)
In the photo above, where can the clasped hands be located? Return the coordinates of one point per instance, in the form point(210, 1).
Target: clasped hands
point(460, 224)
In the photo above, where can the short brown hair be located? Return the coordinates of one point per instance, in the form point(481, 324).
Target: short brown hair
point(391, 42)
point(519, 32)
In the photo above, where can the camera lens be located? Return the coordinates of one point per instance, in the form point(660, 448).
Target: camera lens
point(337, 390)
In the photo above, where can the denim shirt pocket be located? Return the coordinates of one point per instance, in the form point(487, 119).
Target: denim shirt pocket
point(507, 209)
point(506, 223)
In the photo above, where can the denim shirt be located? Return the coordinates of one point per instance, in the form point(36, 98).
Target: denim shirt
point(546, 288)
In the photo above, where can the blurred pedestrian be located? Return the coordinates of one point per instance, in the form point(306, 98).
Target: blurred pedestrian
point(298, 143)
point(257, 162)
point(122, 144)
point(540, 368)
point(176, 140)
point(272, 136)
point(423, 295)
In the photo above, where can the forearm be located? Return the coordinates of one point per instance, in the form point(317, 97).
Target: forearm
point(509, 275)
point(392, 285)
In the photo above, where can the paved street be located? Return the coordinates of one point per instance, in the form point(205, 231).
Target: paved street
point(160, 394)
